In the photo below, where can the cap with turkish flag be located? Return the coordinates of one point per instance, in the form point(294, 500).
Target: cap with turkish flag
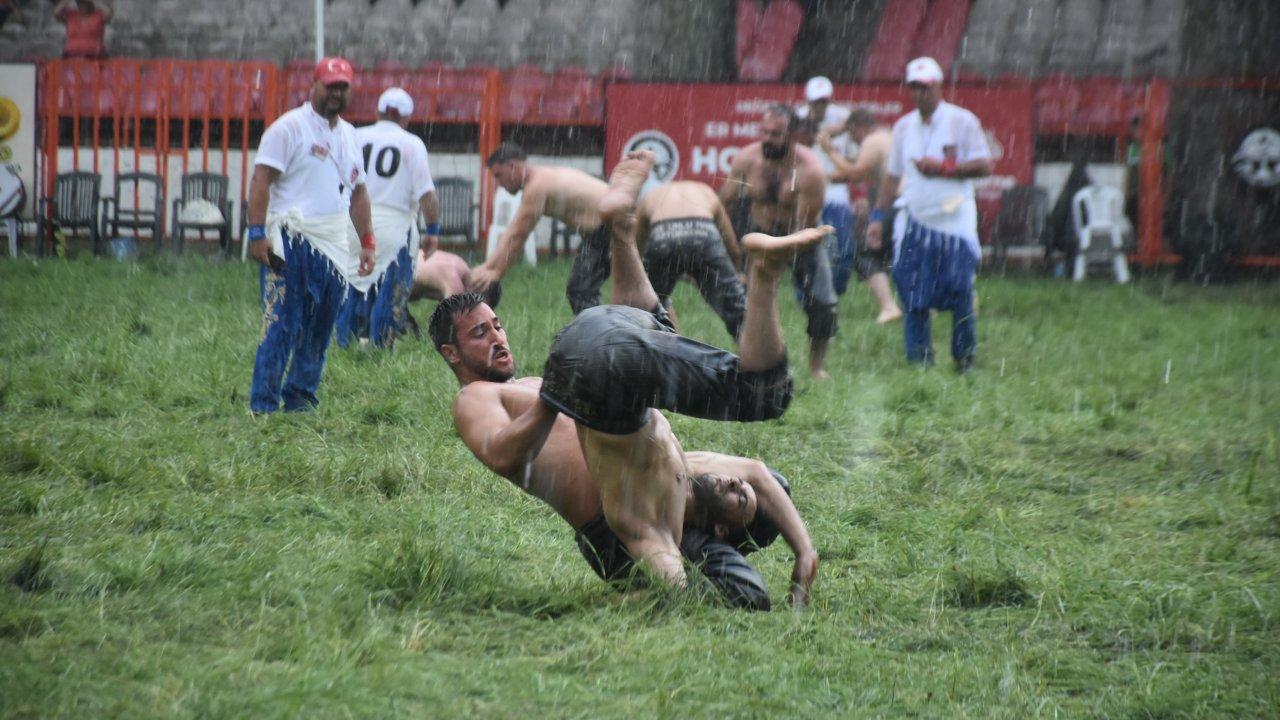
point(333, 70)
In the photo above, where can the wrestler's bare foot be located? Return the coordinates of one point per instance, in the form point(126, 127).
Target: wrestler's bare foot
point(887, 316)
point(770, 254)
point(781, 246)
point(625, 183)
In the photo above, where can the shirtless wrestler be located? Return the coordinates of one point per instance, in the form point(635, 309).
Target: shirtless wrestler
point(684, 230)
point(785, 185)
point(516, 434)
point(871, 262)
point(566, 194)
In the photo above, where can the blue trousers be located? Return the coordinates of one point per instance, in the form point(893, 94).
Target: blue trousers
point(299, 306)
point(935, 271)
point(840, 247)
point(380, 314)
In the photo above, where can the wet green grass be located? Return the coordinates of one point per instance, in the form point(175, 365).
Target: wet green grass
point(1086, 525)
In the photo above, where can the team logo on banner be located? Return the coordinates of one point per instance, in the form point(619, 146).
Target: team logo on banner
point(1257, 162)
point(666, 157)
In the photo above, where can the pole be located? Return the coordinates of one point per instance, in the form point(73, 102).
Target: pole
point(319, 30)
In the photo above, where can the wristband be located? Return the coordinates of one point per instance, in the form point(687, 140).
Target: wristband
point(876, 215)
point(257, 232)
point(433, 228)
point(367, 241)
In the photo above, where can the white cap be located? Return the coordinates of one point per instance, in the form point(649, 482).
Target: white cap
point(818, 88)
point(924, 70)
point(396, 99)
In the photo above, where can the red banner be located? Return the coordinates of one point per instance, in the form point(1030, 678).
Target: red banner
point(696, 129)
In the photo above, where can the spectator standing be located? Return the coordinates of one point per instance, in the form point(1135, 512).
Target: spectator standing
point(837, 207)
point(307, 178)
point(400, 186)
point(9, 9)
point(938, 149)
point(86, 22)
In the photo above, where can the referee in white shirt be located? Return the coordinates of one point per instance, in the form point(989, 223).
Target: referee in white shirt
point(307, 179)
point(398, 176)
point(938, 148)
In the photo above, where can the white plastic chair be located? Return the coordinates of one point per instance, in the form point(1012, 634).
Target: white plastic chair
point(504, 209)
point(1099, 210)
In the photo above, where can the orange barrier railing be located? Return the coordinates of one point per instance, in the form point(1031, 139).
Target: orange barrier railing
point(127, 113)
point(193, 114)
point(146, 115)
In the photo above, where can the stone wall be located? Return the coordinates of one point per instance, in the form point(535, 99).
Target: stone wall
point(667, 39)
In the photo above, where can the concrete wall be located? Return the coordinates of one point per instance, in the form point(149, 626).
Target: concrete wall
point(670, 39)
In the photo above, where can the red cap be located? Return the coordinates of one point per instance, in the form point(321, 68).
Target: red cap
point(332, 70)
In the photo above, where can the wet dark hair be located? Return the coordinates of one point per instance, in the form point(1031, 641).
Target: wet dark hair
point(506, 152)
point(860, 117)
point(442, 328)
point(784, 111)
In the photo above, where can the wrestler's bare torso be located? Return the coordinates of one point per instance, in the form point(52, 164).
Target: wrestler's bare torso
point(678, 200)
point(643, 479)
point(559, 474)
point(781, 191)
point(876, 146)
point(566, 194)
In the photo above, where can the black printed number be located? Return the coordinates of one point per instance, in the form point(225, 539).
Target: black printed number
point(388, 160)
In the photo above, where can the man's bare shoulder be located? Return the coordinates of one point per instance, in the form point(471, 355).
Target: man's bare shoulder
point(807, 160)
point(482, 392)
point(749, 155)
point(556, 175)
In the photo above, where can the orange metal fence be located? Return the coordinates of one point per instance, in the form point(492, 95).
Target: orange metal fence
point(141, 115)
point(144, 115)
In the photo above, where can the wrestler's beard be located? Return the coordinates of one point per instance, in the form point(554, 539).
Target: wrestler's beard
point(488, 372)
point(773, 152)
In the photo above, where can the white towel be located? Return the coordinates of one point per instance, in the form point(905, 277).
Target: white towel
point(326, 234)
point(392, 228)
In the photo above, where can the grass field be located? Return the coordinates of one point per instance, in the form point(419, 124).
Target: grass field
point(1088, 525)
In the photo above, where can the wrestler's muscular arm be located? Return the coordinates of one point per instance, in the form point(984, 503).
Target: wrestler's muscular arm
point(653, 545)
point(736, 183)
point(505, 444)
point(809, 197)
point(869, 158)
point(727, 235)
point(533, 201)
point(776, 504)
point(884, 200)
point(259, 198)
point(429, 206)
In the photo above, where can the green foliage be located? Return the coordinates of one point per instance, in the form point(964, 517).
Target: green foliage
point(1061, 532)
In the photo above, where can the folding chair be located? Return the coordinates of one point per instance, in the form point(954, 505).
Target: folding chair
point(1099, 210)
point(457, 203)
point(212, 189)
point(74, 206)
point(1020, 222)
point(135, 206)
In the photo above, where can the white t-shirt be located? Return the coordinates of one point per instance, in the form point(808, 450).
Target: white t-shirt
point(319, 166)
point(395, 165)
point(837, 190)
point(945, 204)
